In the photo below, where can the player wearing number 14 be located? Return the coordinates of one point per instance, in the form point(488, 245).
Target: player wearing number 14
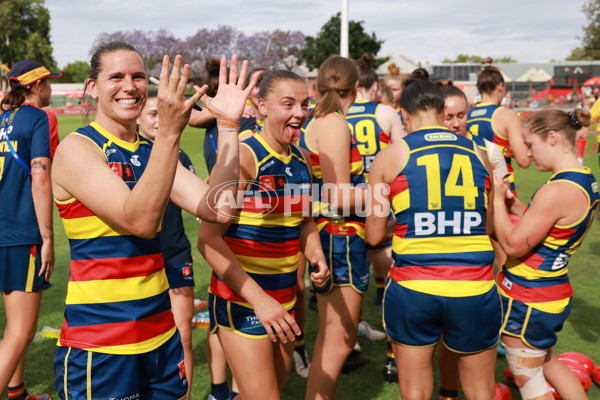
point(442, 278)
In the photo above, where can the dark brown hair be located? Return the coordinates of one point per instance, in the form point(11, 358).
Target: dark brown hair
point(336, 80)
point(488, 79)
point(368, 76)
point(212, 66)
point(96, 62)
point(449, 90)
point(110, 47)
point(420, 94)
point(14, 98)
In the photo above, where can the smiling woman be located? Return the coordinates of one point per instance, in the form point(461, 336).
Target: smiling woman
point(111, 187)
point(255, 257)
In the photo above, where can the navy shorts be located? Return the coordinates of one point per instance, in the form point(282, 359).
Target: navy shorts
point(348, 261)
point(19, 269)
point(158, 374)
point(180, 275)
point(225, 314)
point(465, 324)
point(534, 327)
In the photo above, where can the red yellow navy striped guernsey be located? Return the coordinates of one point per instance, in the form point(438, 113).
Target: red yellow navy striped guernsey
point(353, 224)
point(367, 132)
point(439, 199)
point(539, 278)
point(117, 296)
point(264, 235)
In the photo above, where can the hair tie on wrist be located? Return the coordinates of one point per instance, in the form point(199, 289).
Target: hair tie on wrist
point(574, 120)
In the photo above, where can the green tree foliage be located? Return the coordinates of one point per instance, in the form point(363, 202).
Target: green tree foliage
point(463, 58)
point(25, 32)
point(505, 60)
point(327, 42)
point(75, 72)
point(380, 60)
point(471, 58)
point(590, 42)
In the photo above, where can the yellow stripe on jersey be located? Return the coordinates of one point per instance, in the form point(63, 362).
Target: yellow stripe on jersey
point(401, 202)
point(132, 147)
point(138, 348)
point(115, 290)
point(551, 307)
point(260, 219)
point(360, 231)
point(449, 288)
point(555, 243)
point(264, 265)
point(515, 267)
point(91, 227)
point(437, 146)
point(449, 244)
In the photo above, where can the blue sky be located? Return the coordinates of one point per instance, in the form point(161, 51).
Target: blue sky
point(423, 30)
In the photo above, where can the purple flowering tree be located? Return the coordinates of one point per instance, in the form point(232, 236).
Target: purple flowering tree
point(276, 49)
point(153, 45)
point(270, 49)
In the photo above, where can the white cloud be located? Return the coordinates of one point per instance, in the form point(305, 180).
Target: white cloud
point(527, 30)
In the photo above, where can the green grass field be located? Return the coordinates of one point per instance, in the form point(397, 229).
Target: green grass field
point(581, 332)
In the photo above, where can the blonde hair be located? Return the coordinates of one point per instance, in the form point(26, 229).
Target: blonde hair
point(336, 80)
point(555, 119)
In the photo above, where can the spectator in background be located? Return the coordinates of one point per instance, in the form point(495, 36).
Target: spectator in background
point(28, 139)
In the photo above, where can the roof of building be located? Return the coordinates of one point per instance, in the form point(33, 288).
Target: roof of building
point(406, 65)
point(535, 75)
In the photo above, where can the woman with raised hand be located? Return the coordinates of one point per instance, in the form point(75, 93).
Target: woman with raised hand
point(338, 172)
point(111, 186)
point(441, 286)
point(255, 255)
point(534, 286)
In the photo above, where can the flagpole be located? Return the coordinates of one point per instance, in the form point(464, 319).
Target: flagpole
point(344, 30)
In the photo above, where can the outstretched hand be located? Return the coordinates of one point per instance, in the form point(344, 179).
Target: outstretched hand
point(229, 102)
point(174, 108)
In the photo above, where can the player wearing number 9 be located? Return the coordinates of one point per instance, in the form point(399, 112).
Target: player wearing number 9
point(441, 284)
point(373, 125)
point(497, 124)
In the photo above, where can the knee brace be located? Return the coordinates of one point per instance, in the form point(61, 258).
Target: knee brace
point(526, 365)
